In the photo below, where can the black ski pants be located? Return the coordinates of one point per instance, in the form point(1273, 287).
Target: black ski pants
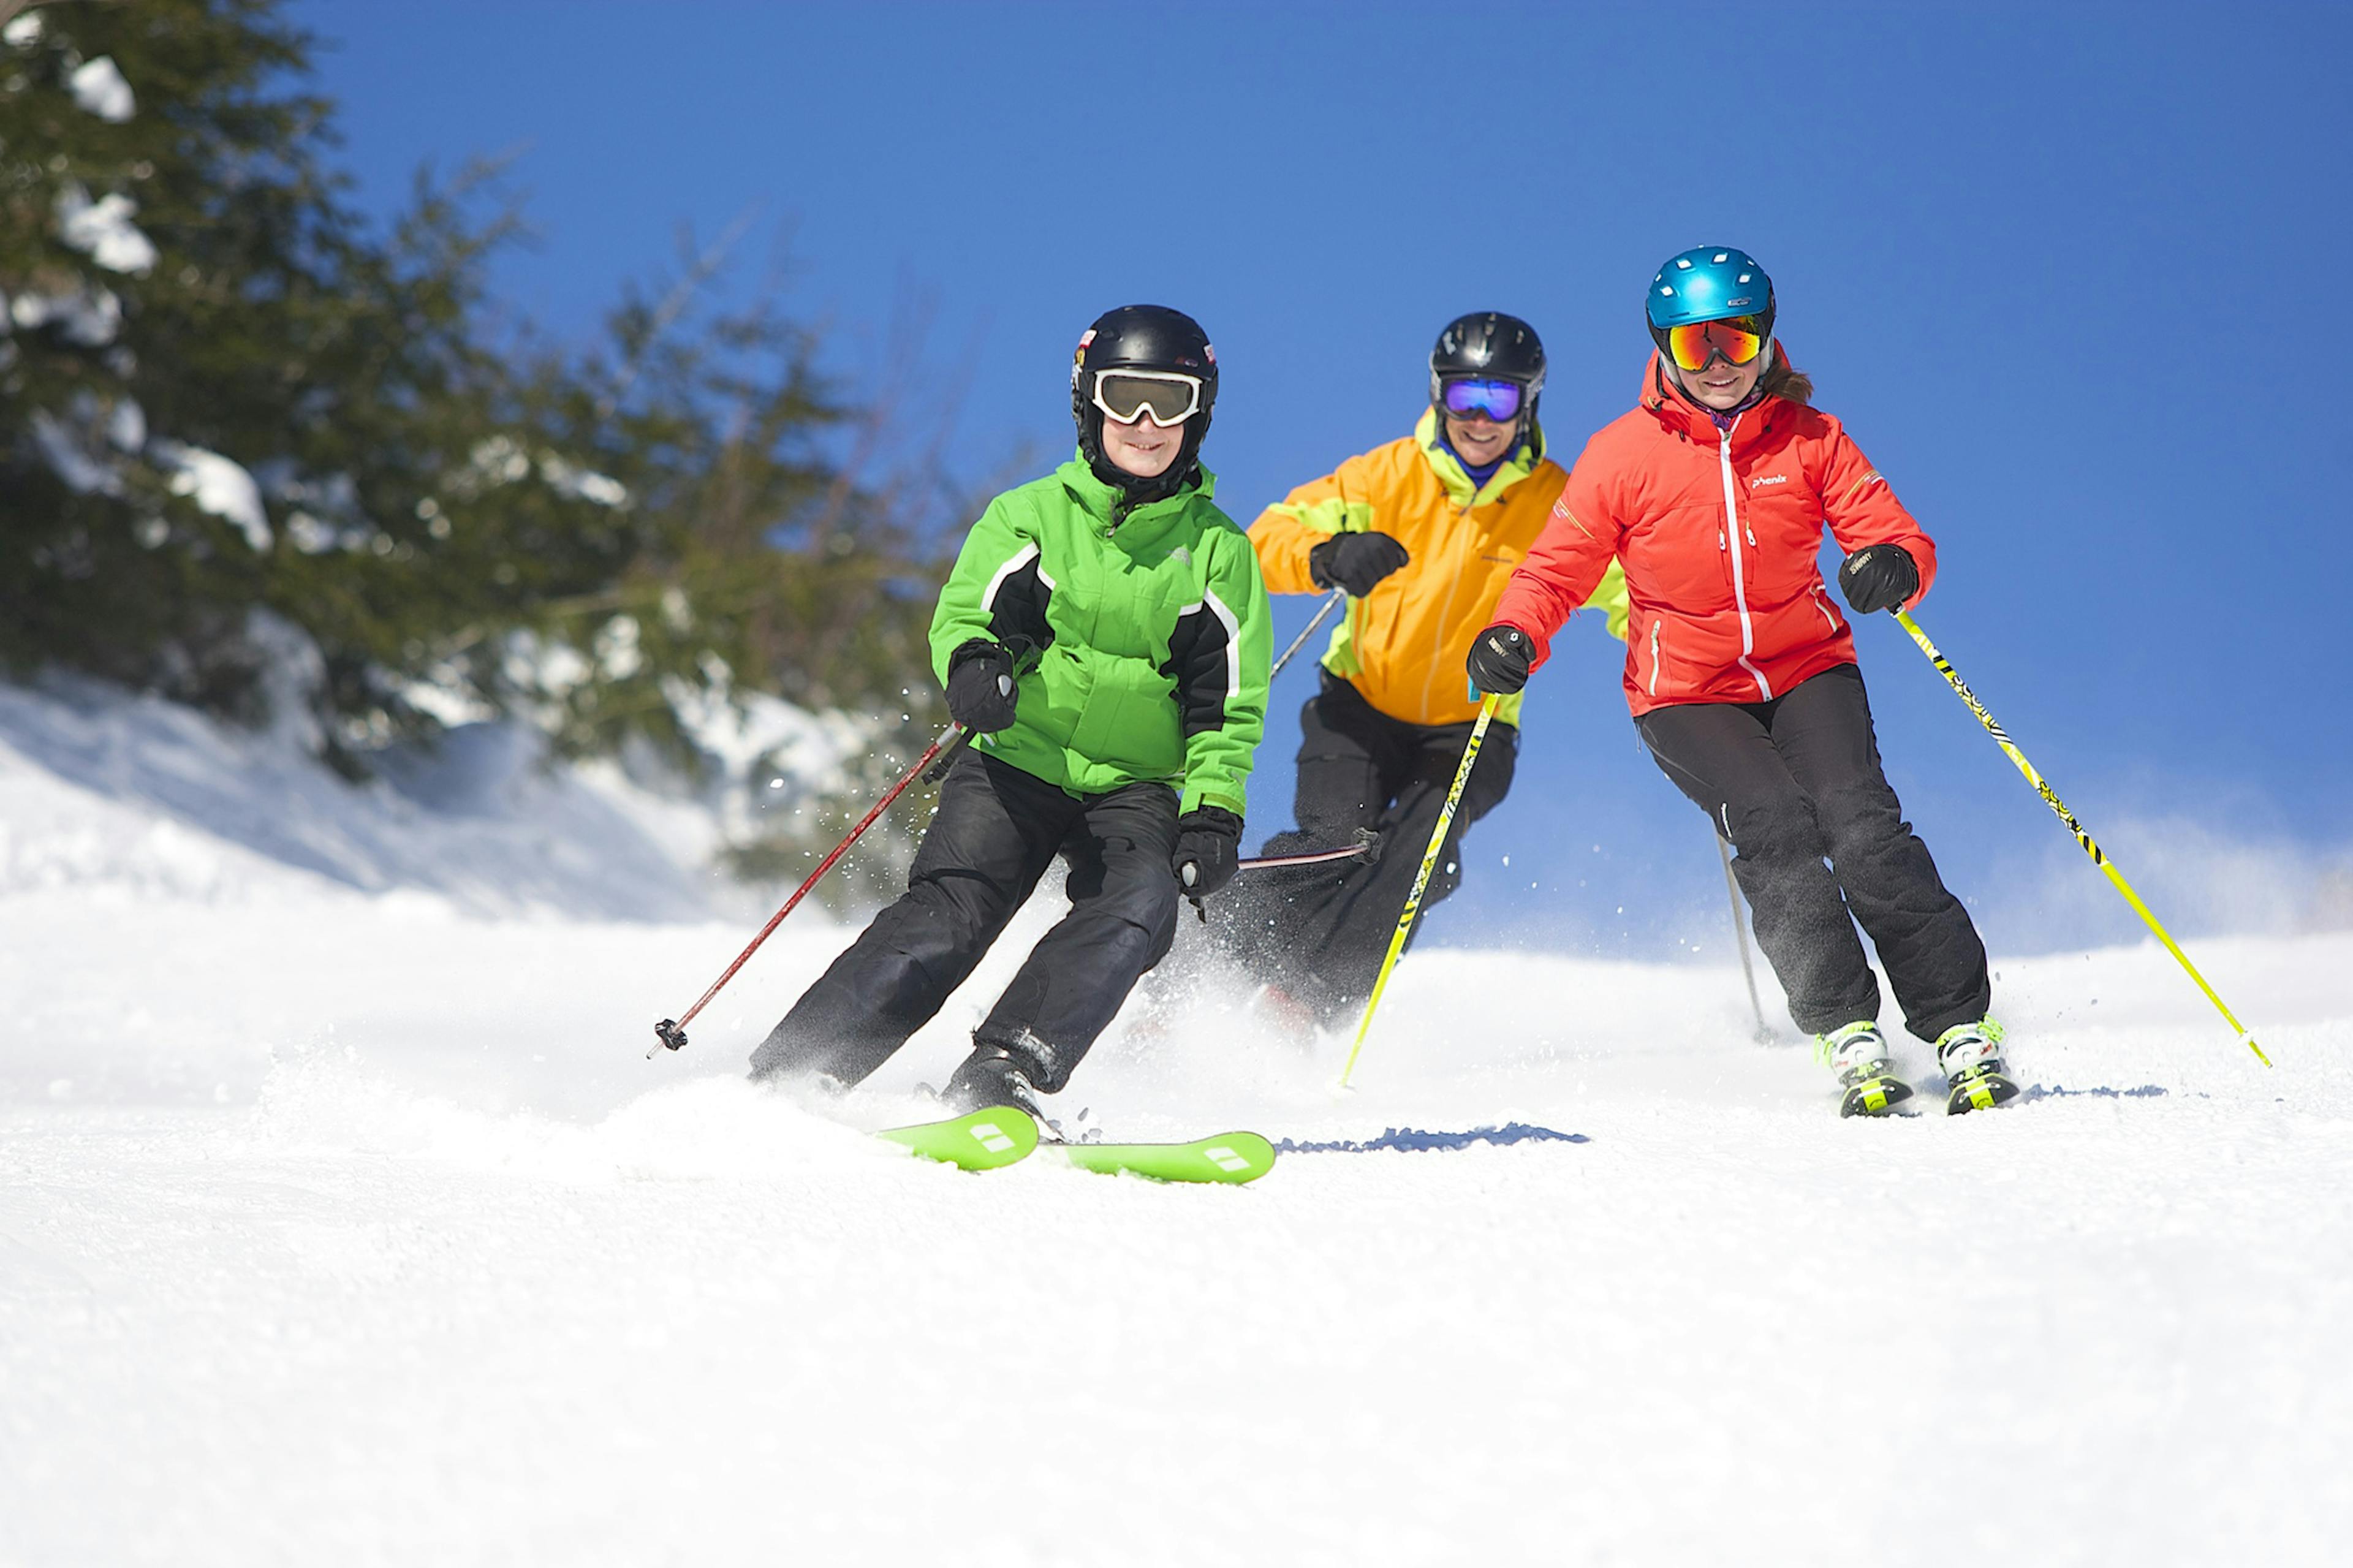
point(1321, 932)
point(1795, 783)
point(996, 831)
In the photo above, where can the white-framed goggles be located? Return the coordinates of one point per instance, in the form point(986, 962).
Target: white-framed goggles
point(1169, 396)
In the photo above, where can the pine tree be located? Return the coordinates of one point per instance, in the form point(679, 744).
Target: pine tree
point(241, 428)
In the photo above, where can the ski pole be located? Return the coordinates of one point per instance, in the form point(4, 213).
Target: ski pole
point(1740, 933)
point(672, 1032)
point(1422, 878)
point(1368, 846)
point(1330, 604)
point(949, 754)
point(2051, 798)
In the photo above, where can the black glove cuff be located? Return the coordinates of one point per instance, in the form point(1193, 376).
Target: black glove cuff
point(1215, 818)
point(978, 648)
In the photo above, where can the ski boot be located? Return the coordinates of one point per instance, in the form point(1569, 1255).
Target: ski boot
point(991, 1076)
point(1858, 1054)
point(1287, 1016)
point(1970, 1056)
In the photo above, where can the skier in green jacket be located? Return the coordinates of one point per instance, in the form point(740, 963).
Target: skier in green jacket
point(1105, 638)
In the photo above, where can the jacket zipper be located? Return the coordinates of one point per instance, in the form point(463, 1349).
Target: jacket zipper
point(1654, 658)
point(1731, 526)
point(1446, 615)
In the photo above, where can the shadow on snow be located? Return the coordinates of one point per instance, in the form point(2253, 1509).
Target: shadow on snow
point(1414, 1140)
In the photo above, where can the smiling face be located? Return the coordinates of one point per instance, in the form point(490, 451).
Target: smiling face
point(1479, 440)
point(1142, 448)
point(1720, 384)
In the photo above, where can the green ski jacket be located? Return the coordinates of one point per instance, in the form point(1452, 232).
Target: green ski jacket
point(1154, 630)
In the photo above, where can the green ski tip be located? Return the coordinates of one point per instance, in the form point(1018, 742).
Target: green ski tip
point(978, 1140)
point(1231, 1158)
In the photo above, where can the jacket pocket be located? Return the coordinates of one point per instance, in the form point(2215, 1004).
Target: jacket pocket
point(1129, 724)
point(1829, 610)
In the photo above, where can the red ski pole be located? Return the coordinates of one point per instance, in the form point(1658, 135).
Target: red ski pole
point(672, 1032)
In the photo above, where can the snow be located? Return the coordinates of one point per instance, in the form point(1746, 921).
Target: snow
point(126, 425)
point(103, 231)
point(582, 484)
point(89, 319)
point(98, 88)
point(82, 474)
point(343, 1218)
point(219, 485)
point(102, 794)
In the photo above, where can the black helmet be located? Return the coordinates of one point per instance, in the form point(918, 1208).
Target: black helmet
point(1494, 347)
point(1143, 337)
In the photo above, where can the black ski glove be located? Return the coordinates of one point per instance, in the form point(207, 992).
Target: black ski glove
point(1208, 847)
point(1356, 561)
point(1499, 661)
point(980, 687)
point(1878, 577)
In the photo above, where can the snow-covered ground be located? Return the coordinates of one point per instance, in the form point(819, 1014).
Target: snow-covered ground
point(344, 1219)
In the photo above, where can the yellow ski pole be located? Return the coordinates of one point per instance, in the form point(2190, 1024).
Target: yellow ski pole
point(1421, 879)
point(2051, 798)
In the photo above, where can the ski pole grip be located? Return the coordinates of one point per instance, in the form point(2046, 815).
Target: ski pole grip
point(954, 748)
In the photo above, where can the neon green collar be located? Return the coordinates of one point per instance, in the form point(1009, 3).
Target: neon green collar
point(1450, 470)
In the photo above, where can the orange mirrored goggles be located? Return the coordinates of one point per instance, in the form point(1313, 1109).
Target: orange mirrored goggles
point(1738, 338)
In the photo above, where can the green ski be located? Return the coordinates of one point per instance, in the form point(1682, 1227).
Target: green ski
point(1230, 1157)
point(978, 1140)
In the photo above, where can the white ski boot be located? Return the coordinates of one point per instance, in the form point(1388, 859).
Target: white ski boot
point(1857, 1052)
point(1970, 1057)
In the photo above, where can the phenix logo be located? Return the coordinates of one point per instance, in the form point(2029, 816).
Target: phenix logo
point(1769, 480)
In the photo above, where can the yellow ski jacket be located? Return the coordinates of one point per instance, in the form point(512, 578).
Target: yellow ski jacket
point(1402, 646)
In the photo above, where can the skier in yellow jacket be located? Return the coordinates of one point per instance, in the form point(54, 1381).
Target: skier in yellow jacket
point(1421, 533)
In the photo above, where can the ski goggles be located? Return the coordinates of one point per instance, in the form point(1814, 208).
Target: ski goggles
point(1498, 400)
point(1739, 339)
point(1169, 396)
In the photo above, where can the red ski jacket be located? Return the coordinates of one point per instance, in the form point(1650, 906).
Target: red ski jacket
point(1719, 535)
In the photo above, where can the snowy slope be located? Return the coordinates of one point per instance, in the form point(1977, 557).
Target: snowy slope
point(341, 1218)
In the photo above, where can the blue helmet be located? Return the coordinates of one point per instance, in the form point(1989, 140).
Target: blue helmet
point(1708, 283)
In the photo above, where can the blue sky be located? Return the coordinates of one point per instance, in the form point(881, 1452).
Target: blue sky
point(2068, 273)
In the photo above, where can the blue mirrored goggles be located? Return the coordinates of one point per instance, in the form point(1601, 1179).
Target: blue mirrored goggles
point(1498, 400)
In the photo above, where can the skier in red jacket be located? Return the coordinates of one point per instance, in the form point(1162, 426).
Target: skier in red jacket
point(1741, 672)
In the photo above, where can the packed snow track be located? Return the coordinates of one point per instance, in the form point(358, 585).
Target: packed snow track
point(352, 1226)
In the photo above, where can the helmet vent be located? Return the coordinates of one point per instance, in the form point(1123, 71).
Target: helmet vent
point(1708, 283)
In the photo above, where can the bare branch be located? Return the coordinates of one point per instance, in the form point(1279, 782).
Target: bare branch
point(700, 270)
